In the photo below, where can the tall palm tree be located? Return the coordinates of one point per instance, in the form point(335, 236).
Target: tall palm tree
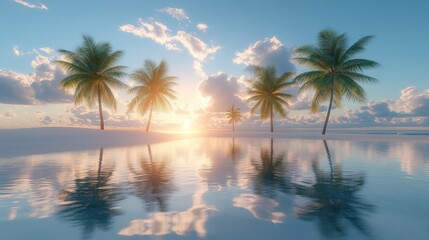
point(266, 91)
point(92, 72)
point(155, 89)
point(335, 73)
point(233, 115)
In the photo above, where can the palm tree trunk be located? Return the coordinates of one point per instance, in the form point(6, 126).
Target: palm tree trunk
point(100, 109)
point(150, 117)
point(271, 151)
point(149, 150)
point(329, 110)
point(100, 161)
point(233, 129)
point(271, 116)
point(329, 159)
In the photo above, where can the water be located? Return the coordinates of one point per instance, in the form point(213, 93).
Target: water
point(220, 189)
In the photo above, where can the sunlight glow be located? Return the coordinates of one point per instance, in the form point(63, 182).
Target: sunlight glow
point(186, 126)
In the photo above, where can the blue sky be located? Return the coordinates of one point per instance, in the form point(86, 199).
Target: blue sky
point(400, 46)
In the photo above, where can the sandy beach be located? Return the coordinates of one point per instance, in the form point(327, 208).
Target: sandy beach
point(26, 141)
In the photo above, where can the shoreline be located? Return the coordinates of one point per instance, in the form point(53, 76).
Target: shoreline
point(28, 141)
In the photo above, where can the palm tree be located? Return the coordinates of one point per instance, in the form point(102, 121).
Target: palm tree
point(335, 73)
point(233, 115)
point(92, 72)
point(155, 89)
point(266, 91)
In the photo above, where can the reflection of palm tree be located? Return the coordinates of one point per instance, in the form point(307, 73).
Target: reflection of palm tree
point(270, 173)
point(92, 202)
point(334, 198)
point(152, 182)
point(234, 151)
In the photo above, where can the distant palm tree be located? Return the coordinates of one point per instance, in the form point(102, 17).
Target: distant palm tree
point(266, 91)
point(93, 71)
point(155, 89)
point(233, 115)
point(335, 72)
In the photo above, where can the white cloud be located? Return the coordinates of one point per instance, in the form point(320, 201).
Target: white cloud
point(160, 33)
point(155, 31)
point(267, 52)
point(177, 13)
point(30, 5)
point(39, 87)
point(221, 91)
point(202, 27)
point(16, 51)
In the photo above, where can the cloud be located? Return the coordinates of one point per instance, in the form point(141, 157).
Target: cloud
point(267, 52)
point(18, 52)
point(39, 87)
point(9, 114)
point(82, 116)
point(161, 34)
point(177, 13)
point(410, 110)
point(221, 91)
point(202, 27)
point(30, 5)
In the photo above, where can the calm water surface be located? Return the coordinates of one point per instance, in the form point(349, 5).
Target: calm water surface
point(220, 189)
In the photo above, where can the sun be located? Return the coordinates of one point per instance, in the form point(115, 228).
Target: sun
point(186, 126)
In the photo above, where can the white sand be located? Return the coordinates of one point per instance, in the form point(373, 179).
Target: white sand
point(26, 141)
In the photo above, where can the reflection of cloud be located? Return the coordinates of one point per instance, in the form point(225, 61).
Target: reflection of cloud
point(260, 207)
point(162, 223)
point(13, 213)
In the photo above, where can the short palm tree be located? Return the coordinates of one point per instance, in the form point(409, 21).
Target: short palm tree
point(155, 89)
point(335, 73)
point(233, 115)
point(92, 72)
point(267, 92)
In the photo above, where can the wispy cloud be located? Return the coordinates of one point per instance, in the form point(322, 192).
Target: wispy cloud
point(161, 34)
point(31, 5)
point(202, 27)
point(177, 13)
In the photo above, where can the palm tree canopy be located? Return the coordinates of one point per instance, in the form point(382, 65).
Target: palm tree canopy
point(266, 91)
point(233, 114)
point(155, 87)
point(92, 68)
point(334, 69)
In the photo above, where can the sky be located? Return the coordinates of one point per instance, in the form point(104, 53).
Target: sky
point(210, 46)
